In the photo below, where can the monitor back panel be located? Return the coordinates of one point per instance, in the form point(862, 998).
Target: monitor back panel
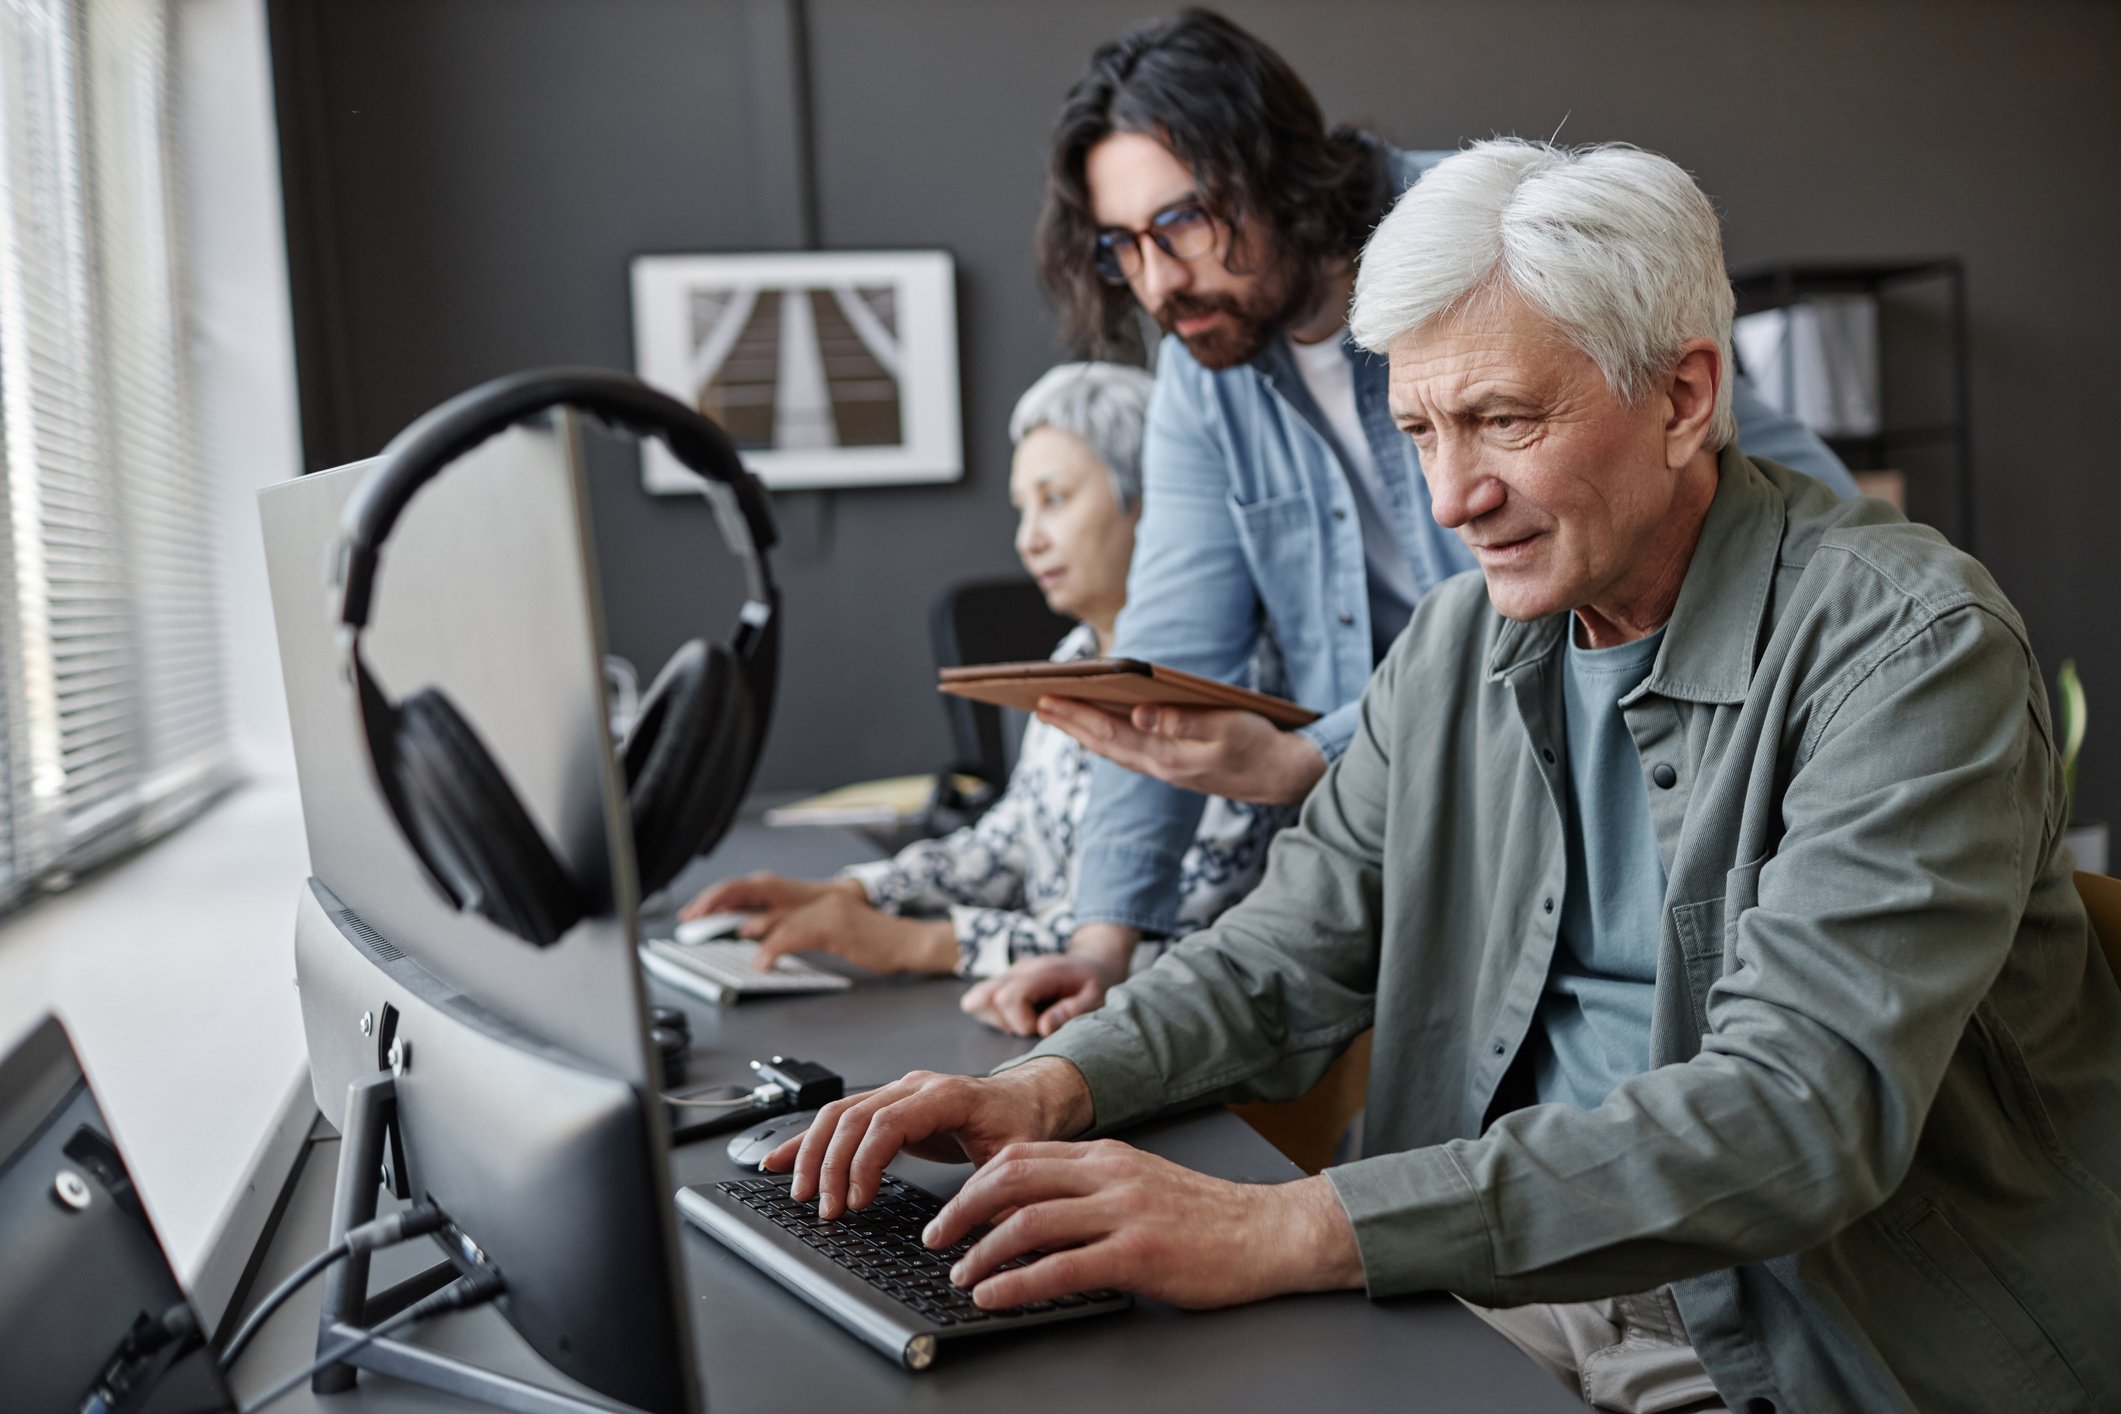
point(486, 591)
point(91, 1315)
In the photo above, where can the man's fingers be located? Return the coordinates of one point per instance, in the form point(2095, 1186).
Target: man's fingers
point(978, 1002)
point(836, 1189)
point(1014, 1004)
point(938, 1107)
point(1183, 723)
point(810, 1148)
point(810, 1157)
point(1086, 1268)
point(1048, 1225)
point(1087, 997)
point(1071, 712)
point(1101, 731)
point(1020, 1174)
point(782, 1158)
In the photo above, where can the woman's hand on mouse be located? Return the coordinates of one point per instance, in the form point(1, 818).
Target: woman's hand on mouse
point(849, 927)
point(766, 894)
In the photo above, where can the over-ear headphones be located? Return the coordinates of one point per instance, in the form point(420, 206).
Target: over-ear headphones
point(690, 753)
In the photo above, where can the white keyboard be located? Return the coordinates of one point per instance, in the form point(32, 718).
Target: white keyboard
point(723, 971)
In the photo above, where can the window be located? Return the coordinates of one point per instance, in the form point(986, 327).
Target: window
point(115, 724)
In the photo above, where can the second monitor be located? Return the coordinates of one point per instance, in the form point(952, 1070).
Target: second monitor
point(510, 1085)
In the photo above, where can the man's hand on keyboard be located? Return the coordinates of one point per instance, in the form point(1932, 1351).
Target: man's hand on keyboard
point(951, 1118)
point(1036, 996)
point(1109, 1215)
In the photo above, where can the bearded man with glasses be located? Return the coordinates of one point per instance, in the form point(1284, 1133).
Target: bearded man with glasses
point(1194, 180)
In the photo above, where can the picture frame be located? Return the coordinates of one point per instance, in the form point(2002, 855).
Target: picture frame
point(827, 368)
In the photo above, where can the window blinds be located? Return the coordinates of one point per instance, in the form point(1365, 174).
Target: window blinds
point(115, 724)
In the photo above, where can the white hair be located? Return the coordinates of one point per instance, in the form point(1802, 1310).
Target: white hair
point(1104, 405)
point(1616, 246)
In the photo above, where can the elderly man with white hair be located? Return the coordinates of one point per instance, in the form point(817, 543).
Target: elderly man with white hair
point(1740, 1037)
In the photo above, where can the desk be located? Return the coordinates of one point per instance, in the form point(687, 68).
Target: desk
point(760, 1348)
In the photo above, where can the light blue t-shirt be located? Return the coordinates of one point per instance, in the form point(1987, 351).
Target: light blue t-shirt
point(1592, 1030)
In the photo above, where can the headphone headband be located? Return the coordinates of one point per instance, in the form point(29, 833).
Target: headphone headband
point(417, 454)
point(445, 793)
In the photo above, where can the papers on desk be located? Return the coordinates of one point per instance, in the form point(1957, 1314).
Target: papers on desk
point(896, 800)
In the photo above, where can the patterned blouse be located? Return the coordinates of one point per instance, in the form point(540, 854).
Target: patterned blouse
point(1007, 881)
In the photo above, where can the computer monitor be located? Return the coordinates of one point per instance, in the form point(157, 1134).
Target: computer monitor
point(512, 1086)
point(92, 1320)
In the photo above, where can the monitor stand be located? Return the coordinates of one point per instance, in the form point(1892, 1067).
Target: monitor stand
point(350, 1313)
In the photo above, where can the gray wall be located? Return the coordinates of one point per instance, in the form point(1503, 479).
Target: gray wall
point(467, 179)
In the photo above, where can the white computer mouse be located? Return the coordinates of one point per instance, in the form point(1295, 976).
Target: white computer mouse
point(711, 925)
point(749, 1146)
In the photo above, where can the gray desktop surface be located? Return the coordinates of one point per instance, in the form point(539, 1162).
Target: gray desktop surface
point(760, 1348)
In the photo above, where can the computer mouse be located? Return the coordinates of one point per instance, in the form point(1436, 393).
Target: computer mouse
point(749, 1146)
point(711, 925)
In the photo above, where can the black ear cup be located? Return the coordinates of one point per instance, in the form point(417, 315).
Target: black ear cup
point(690, 757)
point(697, 727)
point(472, 828)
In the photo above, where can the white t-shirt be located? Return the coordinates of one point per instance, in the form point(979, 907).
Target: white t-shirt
point(1331, 379)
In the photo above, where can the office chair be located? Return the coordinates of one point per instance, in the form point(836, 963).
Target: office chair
point(989, 621)
point(1308, 1129)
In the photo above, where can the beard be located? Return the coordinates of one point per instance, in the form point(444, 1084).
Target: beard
point(1248, 325)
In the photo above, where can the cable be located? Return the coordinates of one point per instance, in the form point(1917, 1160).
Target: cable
point(388, 1231)
point(250, 1327)
point(760, 1095)
point(457, 1296)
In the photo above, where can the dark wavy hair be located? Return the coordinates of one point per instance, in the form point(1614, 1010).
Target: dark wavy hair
point(1255, 140)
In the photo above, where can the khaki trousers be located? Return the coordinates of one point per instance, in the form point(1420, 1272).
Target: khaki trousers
point(1624, 1353)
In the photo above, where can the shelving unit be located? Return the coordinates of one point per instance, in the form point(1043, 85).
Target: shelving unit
point(1782, 285)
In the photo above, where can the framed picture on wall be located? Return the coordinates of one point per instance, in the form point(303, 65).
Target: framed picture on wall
point(828, 368)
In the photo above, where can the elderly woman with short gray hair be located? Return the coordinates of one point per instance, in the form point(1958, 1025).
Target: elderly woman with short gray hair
point(1003, 888)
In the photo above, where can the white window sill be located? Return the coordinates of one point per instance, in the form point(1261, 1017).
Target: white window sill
point(174, 972)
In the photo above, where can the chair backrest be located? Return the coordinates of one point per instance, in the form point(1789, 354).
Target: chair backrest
point(1309, 1130)
point(2102, 900)
point(989, 621)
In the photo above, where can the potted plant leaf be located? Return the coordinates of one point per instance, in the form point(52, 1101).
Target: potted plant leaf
point(2086, 839)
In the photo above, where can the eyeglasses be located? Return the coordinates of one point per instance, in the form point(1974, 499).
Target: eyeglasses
point(1184, 231)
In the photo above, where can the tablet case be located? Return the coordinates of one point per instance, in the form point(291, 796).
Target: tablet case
point(1116, 684)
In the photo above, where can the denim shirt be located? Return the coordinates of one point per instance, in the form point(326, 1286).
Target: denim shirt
point(1878, 1150)
point(1249, 527)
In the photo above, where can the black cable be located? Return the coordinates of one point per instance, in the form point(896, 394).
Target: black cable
point(382, 1232)
point(250, 1327)
point(457, 1296)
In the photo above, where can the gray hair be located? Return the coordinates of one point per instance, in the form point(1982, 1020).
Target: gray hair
point(1617, 246)
point(1104, 405)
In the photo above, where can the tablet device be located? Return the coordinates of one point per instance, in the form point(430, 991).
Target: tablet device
point(1116, 684)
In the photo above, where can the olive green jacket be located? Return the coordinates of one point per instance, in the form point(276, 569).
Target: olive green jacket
point(1879, 1149)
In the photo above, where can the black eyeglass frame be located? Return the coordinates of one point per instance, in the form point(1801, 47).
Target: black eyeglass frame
point(1110, 251)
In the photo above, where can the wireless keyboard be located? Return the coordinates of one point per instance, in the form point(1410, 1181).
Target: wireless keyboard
point(868, 1269)
point(723, 971)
